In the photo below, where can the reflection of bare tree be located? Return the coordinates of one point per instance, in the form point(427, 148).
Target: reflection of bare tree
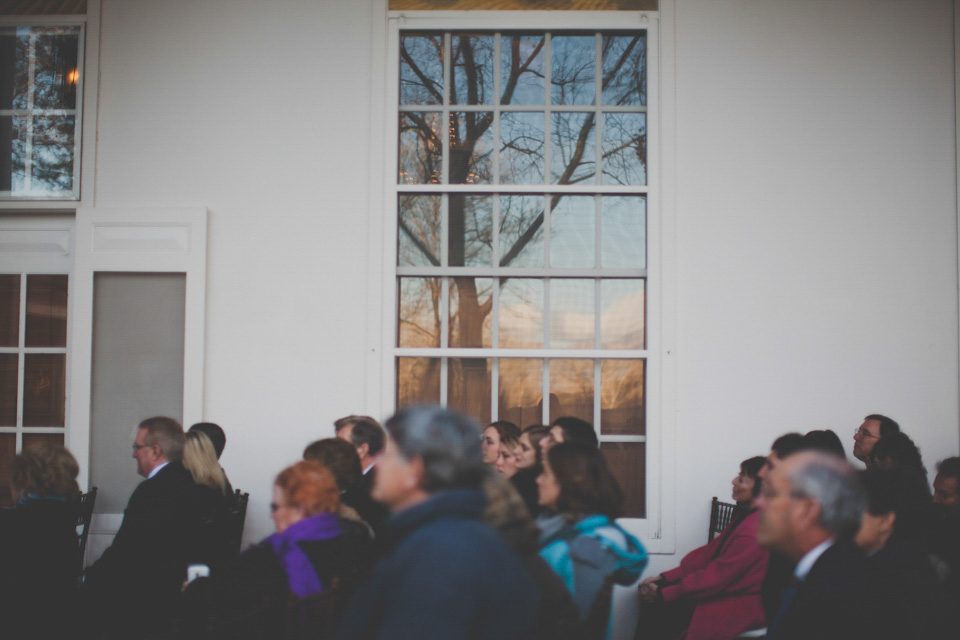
point(471, 149)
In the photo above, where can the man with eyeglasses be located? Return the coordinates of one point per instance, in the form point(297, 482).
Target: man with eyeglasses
point(874, 427)
point(138, 577)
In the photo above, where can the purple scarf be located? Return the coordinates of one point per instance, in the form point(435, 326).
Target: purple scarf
point(301, 575)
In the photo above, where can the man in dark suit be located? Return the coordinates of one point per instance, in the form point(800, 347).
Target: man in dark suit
point(134, 587)
point(367, 436)
point(810, 509)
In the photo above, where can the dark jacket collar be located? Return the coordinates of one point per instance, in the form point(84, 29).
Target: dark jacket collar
point(457, 504)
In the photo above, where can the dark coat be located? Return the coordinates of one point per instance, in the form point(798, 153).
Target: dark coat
point(910, 602)
point(445, 575)
point(138, 578)
point(358, 497)
point(38, 569)
point(525, 482)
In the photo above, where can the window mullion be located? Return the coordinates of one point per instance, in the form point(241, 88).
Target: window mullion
point(445, 118)
point(598, 114)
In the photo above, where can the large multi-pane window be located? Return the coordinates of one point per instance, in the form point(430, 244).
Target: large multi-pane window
point(522, 231)
point(39, 111)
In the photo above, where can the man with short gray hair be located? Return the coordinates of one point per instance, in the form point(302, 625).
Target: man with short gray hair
point(811, 506)
point(445, 575)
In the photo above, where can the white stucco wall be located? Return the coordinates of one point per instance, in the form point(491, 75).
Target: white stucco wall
point(816, 259)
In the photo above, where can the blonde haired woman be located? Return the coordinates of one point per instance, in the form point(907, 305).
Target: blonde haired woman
point(213, 501)
point(200, 459)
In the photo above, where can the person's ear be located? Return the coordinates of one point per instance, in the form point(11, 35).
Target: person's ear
point(417, 471)
point(807, 512)
point(363, 450)
point(887, 522)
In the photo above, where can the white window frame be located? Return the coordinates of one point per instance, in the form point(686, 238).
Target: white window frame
point(656, 529)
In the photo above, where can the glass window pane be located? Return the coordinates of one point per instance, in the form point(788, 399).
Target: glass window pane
point(421, 68)
point(471, 230)
point(418, 230)
point(622, 397)
point(55, 69)
point(421, 148)
point(468, 387)
point(52, 157)
point(622, 319)
point(46, 311)
point(9, 310)
point(9, 363)
point(44, 389)
point(572, 314)
point(521, 313)
point(571, 389)
point(573, 222)
point(13, 69)
point(418, 381)
point(521, 231)
point(520, 395)
point(8, 449)
point(30, 439)
point(623, 239)
point(521, 69)
point(573, 69)
point(471, 146)
point(573, 156)
point(625, 69)
point(624, 148)
point(628, 462)
point(471, 317)
point(419, 312)
point(521, 147)
point(473, 58)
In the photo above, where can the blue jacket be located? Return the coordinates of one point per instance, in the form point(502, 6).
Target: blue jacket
point(588, 553)
point(444, 575)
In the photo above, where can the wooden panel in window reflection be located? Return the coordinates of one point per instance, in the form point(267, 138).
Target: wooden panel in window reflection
point(572, 69)
point(471, 147)
point(421, 148)
point(468, 387)
point(9, 309)
point(521, 313)
point(521, 231)
point(418, 317)
point(421, 68)
point(471, 230)
point(573, 222)
point(624, 148)
point(625, 69)
point(521, 147)
point(471, 317)
point(30, 439)
point(622, 319)
point(522, 69)
point(572, 151)
point(571, 387)
point(572, 313)
point(418, 381)
point(520, 393)
point(418, 230)
point(473, 60)
point(9, 364)
point(8, 449)
point(46, 324)
point(623, 238)
point(44, 389)
point(623, 408)
point(628, 462)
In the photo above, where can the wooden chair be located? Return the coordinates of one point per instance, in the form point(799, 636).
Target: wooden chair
point(720, 515)
point(238, 515)
point(84, 516)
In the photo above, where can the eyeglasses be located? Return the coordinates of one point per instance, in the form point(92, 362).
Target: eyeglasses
point(863, 433)
point(274, 507)
point(137, 447)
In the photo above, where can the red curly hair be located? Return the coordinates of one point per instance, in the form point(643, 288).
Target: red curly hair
point(309, 485)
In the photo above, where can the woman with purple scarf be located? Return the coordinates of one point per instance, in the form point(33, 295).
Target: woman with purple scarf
point(262, 592)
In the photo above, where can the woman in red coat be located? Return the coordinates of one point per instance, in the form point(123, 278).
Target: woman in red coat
point(715, 592)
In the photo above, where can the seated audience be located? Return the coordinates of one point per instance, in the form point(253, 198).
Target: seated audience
point(493, 436)
point(212, 545)
point(219, 441)
point(312, 551)
point(570, 429)
point(944, 537)
point(897, 449)
point(341, 459)
point(578, 536)
point(824, 440)
point(444, 573)
point(892, 535)
point(38, 545)
point(507, 458)
point(715, 592)
point(367, 437)
point(875, 427)
point(529, 465)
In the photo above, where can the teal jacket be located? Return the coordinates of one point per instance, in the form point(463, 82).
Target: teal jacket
point(588, 553)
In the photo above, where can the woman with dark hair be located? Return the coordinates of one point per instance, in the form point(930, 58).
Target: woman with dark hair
point(578, 536)
point(492, 436)
point(715, 592)
point(38, 544)
point(312, 551)
point(341, 458)
point(529, 466)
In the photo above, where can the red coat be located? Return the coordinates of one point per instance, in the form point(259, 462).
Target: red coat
point(726, 589)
